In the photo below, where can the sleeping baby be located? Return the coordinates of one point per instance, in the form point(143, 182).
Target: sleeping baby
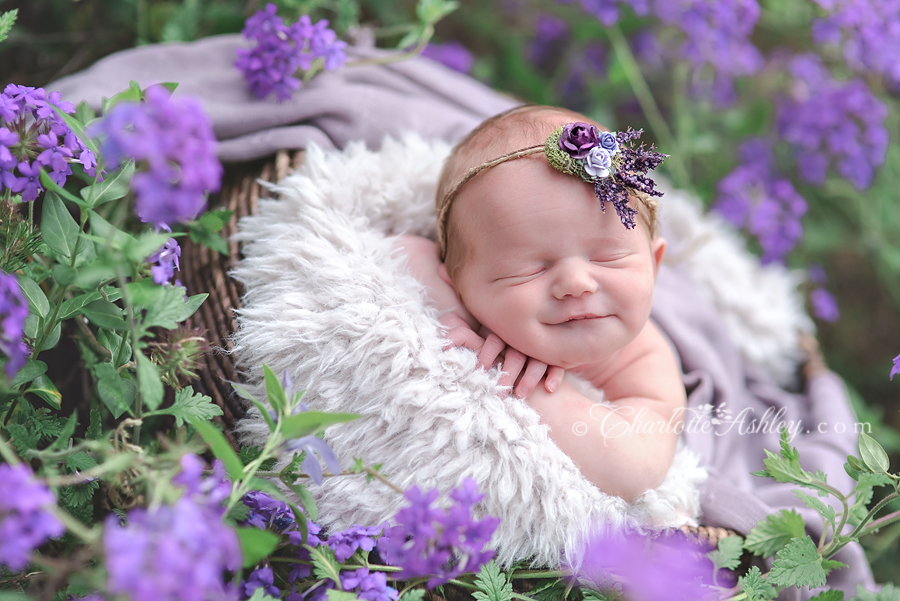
point(547, 251)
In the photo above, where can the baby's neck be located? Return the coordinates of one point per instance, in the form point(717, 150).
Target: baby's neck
point(599, 371)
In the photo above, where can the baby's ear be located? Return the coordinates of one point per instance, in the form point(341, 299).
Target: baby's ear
point(444, 275)
point(658, 248)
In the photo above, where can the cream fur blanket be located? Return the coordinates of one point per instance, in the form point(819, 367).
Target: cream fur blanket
point(331, 302)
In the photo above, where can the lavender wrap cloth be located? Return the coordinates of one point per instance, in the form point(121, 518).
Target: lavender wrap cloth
point(372, 102)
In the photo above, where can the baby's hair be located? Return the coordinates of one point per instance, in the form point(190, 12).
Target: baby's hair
point(517, 128)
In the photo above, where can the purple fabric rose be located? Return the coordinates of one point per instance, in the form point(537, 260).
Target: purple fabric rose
point(578, 138)
point(598, 162)
point(609, 143)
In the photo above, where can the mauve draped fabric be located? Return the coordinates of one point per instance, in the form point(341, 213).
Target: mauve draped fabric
point(371, 102)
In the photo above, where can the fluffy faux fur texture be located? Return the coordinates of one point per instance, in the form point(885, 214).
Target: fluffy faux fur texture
point(330, 301)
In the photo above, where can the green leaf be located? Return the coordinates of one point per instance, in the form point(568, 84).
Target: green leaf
point(856, 464)
point(191, 305)
point(114, 186)
point(210, 240)
point(189, 404)
point(107, 233)
point(825, 510)
point(163, 305)
point(263, 410)
point(80, 461)
point(773, 533)
point(63, 274)
point(219, 447)
point(7, 19)
point(77, 127)
point(259, 594)
point(336, 595)
point(74, 306)
point(411, 38)
point(492, 585)
point(755, 586)
point(132, 94)
point(105, 314)
point(432, 11)
point(62, 441)
point(116, 392)
point(95, 428)
point(52, 337)
point(238, 513)
point(306, 499)
point(79, 495)
point(888, 592)
point(54, 188)
point(829, 595)
point(798, 564)
point(113, 343)
point(145, 245)
point(728, 554)
point(33, 325)
point(274, 391)
point(215, 220)
point(256, 544)
point(29, 372)
point(46, 389)
point(24, 438)
point(58, 229)
point(325, 564)
point(84, 113)
point(784, 470)
point(37, 300)
point(415, 594)
point(873, 454)
point(149, 382)
point(310, 422)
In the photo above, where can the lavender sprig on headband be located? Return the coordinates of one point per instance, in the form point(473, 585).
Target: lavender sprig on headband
point(609, 160)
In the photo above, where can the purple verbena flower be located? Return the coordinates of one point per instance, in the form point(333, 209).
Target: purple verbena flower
point(13, 313)
point(346, 542)
point(896, 368)
point(755, 198)
point(25, 517)
point(267, 513)
point(210, 490)
point(166, 259)
point(171, 552)
point(34, 136)
point(313, 444)
point(295, 537)
point(450, 54)
point(547, 47)
point(824, 305)
point(441, 543)
point(869, 31)
point(368, 586)
point(669, 568)
point(262, 578)
point(280, 51)
point(174, 139)
point(832, 123)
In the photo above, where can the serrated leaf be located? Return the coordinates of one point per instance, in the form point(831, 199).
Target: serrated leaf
point(872, 454)
point(162, 305)
point(79, 495)
point(62, 441)
point(80, 461)
point(336, 595)
point(95, 428)
point(37, 300)
point(239, 513)
point(219, 447)
point(256, 544)
point(310, 422)
point(416, 594)
point(798, 564)
point(888, 592)
point(215, 220)
point(114, 186)
point(773, 533)
point(58, 229)
point(23, 438)
point(116, 392)
point(210, 240)
point(149, 383)
point(325, 564)
point(190, 404)
point(755, 586)
point(7, 20)
point(492, 584)
point(825, 510)
point(728, 554)
point(784, 470)
point(29, 372)
point(829, 595)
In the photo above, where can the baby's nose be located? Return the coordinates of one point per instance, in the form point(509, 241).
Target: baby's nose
point(573, 278)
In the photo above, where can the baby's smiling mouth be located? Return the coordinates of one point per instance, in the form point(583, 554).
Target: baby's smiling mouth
point(580, 317)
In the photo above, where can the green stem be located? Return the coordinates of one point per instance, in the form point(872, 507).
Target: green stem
point(396, 57)
point(73, 525)
point(7, 453)
point(648, 105)
point(881, 523)
point(834, 546)
point(132, 328)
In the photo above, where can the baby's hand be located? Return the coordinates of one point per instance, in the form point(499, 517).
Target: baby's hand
point(490, 347)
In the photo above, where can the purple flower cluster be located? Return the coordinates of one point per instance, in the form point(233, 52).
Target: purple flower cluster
point(262, 578)
point(175, 552)
point(34, 137)
point(755, 198)
point(280, 51)
point(13, 313)
point(665, 569)
point(450, 54)
point(346, 542)
point(832, 123)
point(174, 137)
point(870, 32)
point(551, 36)
point(896, 368)
point(166, 262)
point(25, 519)
point(267, 513)
point(441, 543)
point(368, 586)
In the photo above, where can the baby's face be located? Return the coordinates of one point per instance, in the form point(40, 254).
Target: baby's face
point(547, 270)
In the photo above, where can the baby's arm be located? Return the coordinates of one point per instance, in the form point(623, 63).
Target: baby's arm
point(627, 449)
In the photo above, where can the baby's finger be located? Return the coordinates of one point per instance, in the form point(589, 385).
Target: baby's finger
point(513, 363)
point(452, 321)
point(464, 336)
point(554, 378)
point(492, 348)
point(533, 374)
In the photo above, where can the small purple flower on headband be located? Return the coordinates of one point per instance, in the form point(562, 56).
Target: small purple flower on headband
point(578, 139)
point(598, 162)
point(609, 143)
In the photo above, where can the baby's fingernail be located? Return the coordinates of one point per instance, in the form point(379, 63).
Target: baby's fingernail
point(552, 385)
point(523, 391)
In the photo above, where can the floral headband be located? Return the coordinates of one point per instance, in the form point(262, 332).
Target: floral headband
point(608, 160)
